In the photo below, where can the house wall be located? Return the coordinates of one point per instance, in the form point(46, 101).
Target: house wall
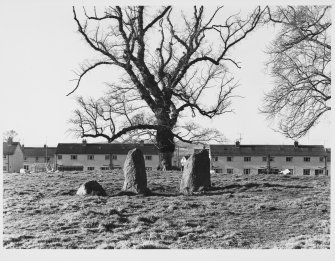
point(100, 161)
point(29, 161)
point(14, 163)
point(329, 168)
point(5, 163)
point(279, 162)
point(175, 159)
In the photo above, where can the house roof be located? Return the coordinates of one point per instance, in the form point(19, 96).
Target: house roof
point(9, 149)
point(104, 148)
point(39, 151)
point(264, 150)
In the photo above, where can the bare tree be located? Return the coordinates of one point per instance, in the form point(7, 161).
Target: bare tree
point(11, 134)
point(300, 58)
point(170, 71)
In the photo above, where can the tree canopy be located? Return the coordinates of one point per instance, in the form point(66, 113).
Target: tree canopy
point(171, 69)
point(11, 134)
point(299, 62)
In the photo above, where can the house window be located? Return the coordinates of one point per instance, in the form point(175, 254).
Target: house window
point(272, 158)
point(59, 157)
point(321, 159)
point(229, 158)
point(215, 158)
point(26, 167)
point(318, 172)
point(25, 158)
point(4, 156)
point(264, 158)
point(218, 170)
point(114, 157)
point(230, 171)
point(104, 168)
point(288, 159)
point(148, 168)
point(4, 168)
point(90, 168)
point(307, 159)
point(291, 171)
point(47, 159)
point(90, 157)
point(306, 171)
point(36, 159)
point(107, 157)
point(246, 171)
point(73, 157)
point(148, 157)
point(261, 171)
point(247, 158)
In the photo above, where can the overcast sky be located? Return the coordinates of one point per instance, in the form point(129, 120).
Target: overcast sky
point(40, 48)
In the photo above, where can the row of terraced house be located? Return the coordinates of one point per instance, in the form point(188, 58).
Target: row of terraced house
point(272, 159)
point(226, 159)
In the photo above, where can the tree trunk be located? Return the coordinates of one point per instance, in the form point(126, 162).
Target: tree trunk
point(166, 146)
point(165, 160)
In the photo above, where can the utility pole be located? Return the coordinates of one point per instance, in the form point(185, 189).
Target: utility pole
point(268, 165)
point(325, 159)
point(178, 160)
point(240, 137)
point(46, 150)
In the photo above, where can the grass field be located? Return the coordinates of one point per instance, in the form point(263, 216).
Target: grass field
point(250, 211)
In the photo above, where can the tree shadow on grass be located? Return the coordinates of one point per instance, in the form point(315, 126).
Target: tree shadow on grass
point(211, 191)
point(149, 193)
point(236, 188)
point(256, 185)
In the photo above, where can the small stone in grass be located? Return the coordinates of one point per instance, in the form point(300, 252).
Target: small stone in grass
point(91, 188)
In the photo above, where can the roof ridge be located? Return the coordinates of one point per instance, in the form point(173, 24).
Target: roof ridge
point(39, 147)
point(292, 145)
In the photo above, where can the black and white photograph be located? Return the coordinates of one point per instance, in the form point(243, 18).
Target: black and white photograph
point(152, 126)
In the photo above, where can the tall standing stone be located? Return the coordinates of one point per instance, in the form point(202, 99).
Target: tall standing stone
point(134, 173)
point(196, 175)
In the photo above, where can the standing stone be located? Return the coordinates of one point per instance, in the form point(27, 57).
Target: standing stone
point(134, 173)
point(196, 175)
point(91, 188)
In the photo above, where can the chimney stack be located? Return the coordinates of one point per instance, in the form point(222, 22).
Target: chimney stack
point(9, 140)
point(141, 143)
point(84, 142)
point(296, 144)
point(237, 144)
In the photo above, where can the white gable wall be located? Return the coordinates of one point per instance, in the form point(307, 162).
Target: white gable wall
point(14, 163)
